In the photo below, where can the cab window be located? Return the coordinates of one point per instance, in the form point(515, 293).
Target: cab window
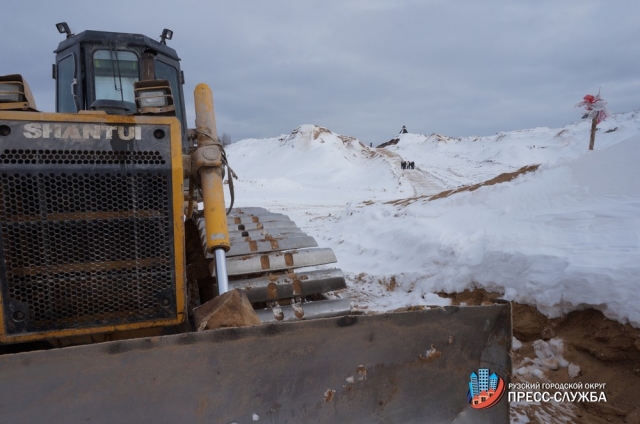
point(65, 73)
point(168, 72)
point(115, 72)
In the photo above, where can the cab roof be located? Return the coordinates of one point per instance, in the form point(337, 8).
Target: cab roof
point(121, 40)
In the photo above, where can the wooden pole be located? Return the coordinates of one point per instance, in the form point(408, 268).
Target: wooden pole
point(593, 133)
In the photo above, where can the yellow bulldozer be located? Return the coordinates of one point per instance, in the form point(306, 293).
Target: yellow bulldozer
point(107, 263)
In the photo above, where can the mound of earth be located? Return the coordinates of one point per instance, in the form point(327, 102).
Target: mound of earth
point(391, 142)
point(502, 178)
point(605, 351)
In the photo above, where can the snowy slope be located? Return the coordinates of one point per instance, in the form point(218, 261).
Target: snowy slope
point(309, 164)
point(564, 237)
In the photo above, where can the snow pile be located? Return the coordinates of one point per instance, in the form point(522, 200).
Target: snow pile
point(310, 163)
point(548, 358)
point(564, 237)
point(561, 238)
point(470, 160)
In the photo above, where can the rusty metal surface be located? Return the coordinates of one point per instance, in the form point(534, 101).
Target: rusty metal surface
point(260, 233)
point(233, 218)
point(284, 286)
point(247, 247)
point(410, 367)
point(309, 310)
point(275, 261)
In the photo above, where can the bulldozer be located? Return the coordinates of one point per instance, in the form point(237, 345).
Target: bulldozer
point(115, 235)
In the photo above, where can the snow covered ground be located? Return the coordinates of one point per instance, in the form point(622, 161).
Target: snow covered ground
point(561, 238)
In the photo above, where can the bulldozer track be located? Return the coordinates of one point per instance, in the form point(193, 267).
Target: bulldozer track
point(266, 254)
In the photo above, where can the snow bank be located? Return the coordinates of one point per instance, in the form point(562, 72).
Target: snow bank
point(562, 238)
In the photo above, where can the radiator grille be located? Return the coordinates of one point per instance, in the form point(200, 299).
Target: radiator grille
point(85, 243)
point(29, 156)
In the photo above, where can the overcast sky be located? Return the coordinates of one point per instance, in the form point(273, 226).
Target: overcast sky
point(364, 68)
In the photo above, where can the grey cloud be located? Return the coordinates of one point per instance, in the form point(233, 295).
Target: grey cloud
point(365, 68)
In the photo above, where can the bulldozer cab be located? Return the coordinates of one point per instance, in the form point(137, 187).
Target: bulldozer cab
point(97, 70)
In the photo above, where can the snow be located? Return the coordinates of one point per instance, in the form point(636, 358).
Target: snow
point(561, 238)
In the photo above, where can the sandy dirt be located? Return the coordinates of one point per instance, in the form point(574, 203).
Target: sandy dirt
point(605, 350)
point(502, 178)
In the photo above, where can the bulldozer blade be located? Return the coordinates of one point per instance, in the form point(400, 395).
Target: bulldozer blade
point(295, 241)
point(274, 287)
point(274, 261)
point(310, 310)
point(409, 367)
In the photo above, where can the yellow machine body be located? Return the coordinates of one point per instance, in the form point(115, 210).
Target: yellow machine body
point(91, 214)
